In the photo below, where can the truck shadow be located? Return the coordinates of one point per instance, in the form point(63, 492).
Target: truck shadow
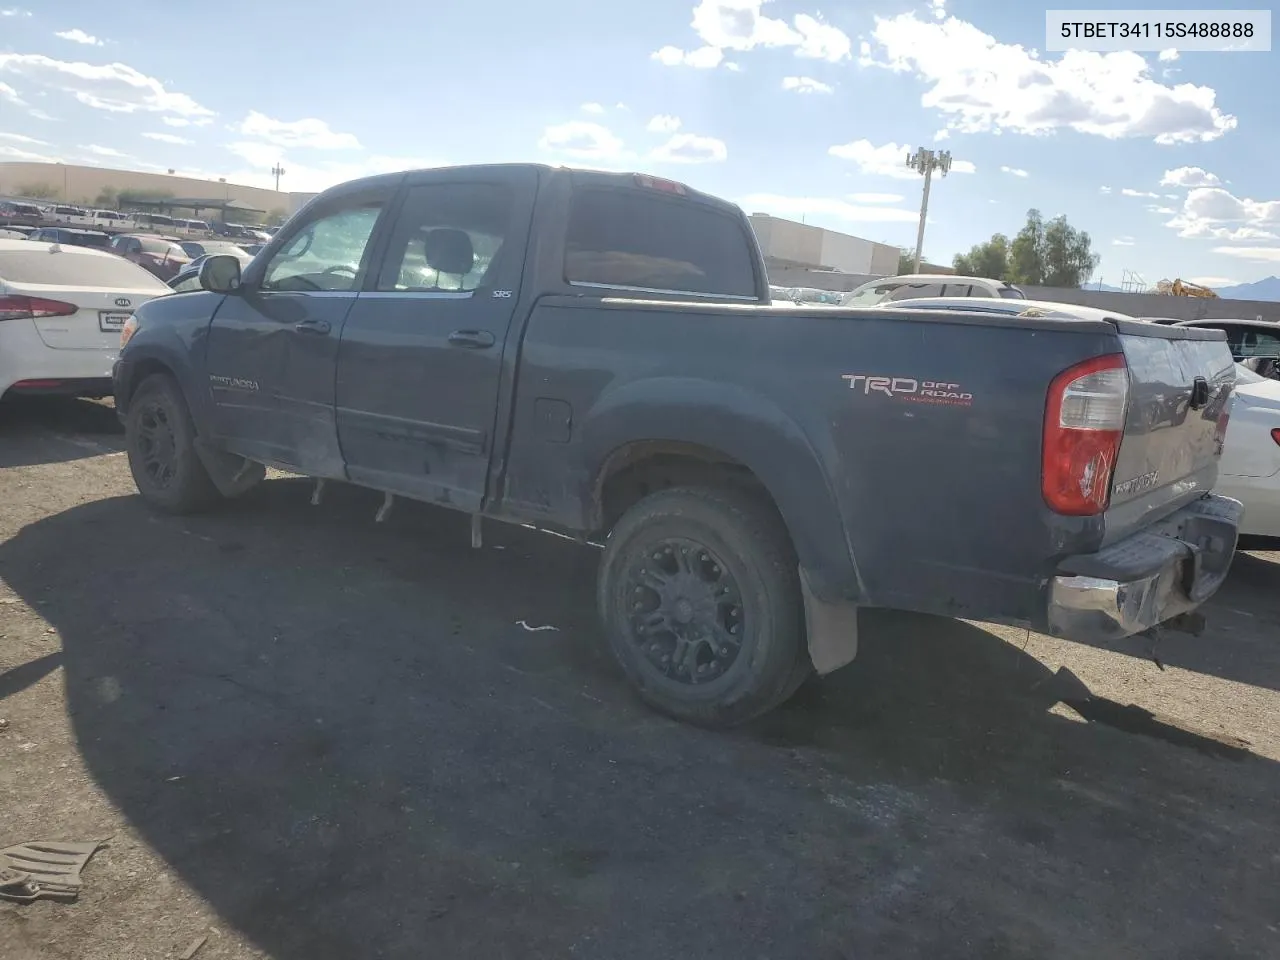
point(36, 430)
point(356, 740)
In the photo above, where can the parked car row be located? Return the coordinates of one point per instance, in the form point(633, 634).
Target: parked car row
point(30, 214)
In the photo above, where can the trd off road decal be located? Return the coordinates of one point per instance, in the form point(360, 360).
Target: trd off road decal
point(910, 389)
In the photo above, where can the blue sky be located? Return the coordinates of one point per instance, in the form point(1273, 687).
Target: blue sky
point(799, 108)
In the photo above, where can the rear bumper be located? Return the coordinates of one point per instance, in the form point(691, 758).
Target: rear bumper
point(1167, 570)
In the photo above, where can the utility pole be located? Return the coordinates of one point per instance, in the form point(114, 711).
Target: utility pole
point(926, 161)
point(278, 172)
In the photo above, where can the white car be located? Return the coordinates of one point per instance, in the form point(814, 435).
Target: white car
point(918, 286)
point(61, 312)
point(1250, 467)
point(1249, 470)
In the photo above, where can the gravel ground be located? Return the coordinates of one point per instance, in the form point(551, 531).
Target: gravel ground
point(308, 736)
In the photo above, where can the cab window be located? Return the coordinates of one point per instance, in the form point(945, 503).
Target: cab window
point(325, 254)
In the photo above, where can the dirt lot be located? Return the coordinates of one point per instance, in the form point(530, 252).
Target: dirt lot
point(309, 736)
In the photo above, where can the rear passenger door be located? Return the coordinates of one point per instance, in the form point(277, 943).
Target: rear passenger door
point(421, 354)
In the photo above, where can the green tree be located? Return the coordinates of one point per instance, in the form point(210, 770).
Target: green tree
point(906, 262)
point(107, 198)
point(990, 259)
point(38, 191)
point(276, 216)
point(1053, 254)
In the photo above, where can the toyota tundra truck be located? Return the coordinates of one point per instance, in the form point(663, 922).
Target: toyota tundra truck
point(596, 354)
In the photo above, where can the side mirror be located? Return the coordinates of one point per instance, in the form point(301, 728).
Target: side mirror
point(220, 273)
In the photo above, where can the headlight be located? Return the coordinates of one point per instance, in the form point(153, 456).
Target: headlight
point(129, 329)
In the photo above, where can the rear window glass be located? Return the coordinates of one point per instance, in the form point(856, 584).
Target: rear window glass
point(1012, 293)
point(73, 269)
point(161, 247)
point(627, 238)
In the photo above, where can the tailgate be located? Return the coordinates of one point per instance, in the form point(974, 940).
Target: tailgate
point(1180, 383)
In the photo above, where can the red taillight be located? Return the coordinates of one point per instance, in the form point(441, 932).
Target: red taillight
point(17, 307)
point(1083, 427)
point(1275, 435)
point(663, 186)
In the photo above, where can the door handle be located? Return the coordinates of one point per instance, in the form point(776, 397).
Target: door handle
point(312, 326)
point(474, 339)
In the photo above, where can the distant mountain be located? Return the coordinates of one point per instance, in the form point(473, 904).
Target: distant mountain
point(1266, 289)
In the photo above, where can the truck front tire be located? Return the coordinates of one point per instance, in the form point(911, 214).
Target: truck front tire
point(701, 602)
point(160, 440)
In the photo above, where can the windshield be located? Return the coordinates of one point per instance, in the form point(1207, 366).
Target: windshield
point(1245, 375)
point(869, 294)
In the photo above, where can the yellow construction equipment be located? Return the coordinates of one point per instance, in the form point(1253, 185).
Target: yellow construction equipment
point(1184, 288)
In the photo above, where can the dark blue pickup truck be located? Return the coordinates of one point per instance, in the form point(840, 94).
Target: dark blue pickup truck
point(596, 354)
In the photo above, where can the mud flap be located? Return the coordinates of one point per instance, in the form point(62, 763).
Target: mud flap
point(232, 475)
point(832, 630)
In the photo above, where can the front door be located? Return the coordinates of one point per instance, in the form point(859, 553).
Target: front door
point(421, 354)
point(273, 344)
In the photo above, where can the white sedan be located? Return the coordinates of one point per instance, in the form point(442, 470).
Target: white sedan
point(61, 312)
point(1250, 467)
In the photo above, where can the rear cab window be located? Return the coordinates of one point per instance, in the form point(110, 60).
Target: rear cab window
point(635, 239)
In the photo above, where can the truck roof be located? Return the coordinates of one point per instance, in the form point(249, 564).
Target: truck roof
point(581, 175)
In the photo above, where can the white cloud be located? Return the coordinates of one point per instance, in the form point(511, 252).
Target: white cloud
point(1014, 171)
point(834, 207)
point(1214, 281)
point(308, 132)
point(187, 122)
point(889, 160)
point(739, 25)
point(167, 138)
point(592, 108)
point(79, 36)
point(1166, 211)
point(876, 197)
point(939, 8)
point(1212, 213)
point(98, 151)
point(983, 86)
point(580, 140)
point(1256, 254)
point(664, 123)
point(1104, 190)
point(19, 138)
point(1188, 177)
point(704, 58)
point(806, 85)
point(14, 12)
point(1122, 242)
point(690, 148)
point(1168, 56)
point(1130, 192)
point(17, 153)
point(113, 87)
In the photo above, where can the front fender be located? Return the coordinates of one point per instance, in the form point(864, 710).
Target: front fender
point(754, 431)
point(172, 333)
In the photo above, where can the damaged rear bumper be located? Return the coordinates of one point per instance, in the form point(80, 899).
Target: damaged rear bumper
point(1165, 571)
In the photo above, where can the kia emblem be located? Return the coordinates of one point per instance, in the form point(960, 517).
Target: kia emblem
point(123, 302)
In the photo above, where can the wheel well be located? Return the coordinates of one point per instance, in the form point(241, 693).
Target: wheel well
point(144, 369)
point(636, 470)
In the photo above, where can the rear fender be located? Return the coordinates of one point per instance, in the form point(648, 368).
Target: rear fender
point(753, 431)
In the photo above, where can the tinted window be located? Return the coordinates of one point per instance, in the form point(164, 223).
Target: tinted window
point(74, 269)
point(868, 295)
point(630, 238)
point(161, 248)
point(1012, 293)
point(447, 238)
point(1252, 342)
point(326, 253)
point(963, 290)
point(915, 291)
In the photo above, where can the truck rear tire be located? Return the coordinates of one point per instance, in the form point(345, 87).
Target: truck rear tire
point(700, 598)
point(160, 440)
